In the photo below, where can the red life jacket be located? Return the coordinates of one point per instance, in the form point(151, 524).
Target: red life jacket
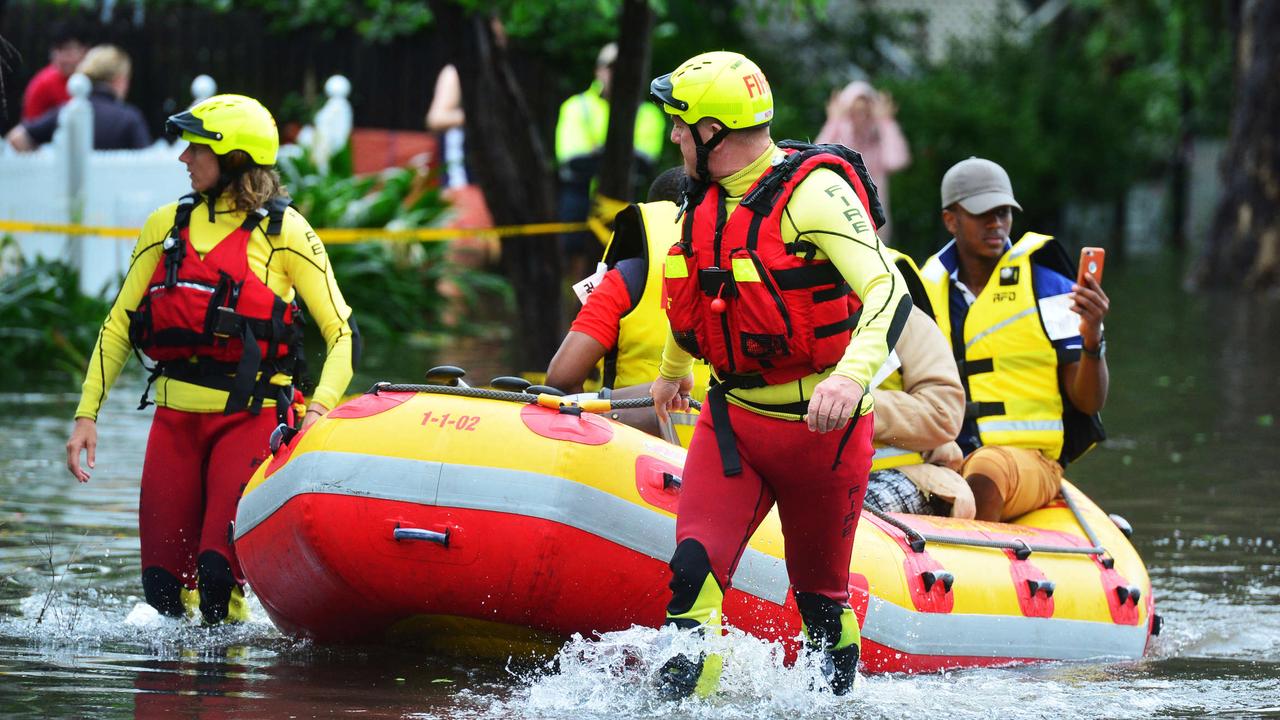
point(215, 309)
point(748, 303)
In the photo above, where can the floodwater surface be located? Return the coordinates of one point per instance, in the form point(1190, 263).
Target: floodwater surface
point(1191, 463)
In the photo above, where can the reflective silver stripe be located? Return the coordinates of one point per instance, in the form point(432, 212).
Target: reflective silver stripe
point(651, 533)
point(955, 634)
point(998, 326)
point(189, 285)
point(888, 452)
point(1016, 425)
point(482, 488)
point(683, 418)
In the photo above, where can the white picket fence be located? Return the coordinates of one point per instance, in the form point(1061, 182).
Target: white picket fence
point(67, 181)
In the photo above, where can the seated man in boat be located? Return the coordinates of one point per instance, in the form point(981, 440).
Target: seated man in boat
point(919, 408)
point(1027, 339)
point(616, 339)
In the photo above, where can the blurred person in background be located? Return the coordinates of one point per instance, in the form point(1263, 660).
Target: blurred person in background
point(117, 125)
point(447, 120)
point(581, 129)
point(861, 118)
point(48, 89)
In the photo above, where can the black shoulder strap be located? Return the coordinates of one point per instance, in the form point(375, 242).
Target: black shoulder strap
point(691, 194)
point(854, 158)
point(915, 286)
point(275, 213)
point(174, 247)
point(182, 214)
point(254, 219)
point(628, 237)
point(1053, 256)
point(762, 198)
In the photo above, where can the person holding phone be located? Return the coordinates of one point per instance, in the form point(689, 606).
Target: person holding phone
point(1028, 341)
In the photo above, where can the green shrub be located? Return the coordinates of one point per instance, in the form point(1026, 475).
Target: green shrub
point(47, 326)
point(392, 286)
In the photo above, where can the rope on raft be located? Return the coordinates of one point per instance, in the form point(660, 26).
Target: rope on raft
point(599, 405)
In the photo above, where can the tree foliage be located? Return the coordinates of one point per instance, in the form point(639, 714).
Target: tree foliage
point(393, 287)
point(1077, 111)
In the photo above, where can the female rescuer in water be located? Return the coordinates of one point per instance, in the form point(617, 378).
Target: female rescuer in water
point(210, 298)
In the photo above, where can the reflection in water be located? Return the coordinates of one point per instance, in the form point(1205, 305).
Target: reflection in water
point(1191, 463)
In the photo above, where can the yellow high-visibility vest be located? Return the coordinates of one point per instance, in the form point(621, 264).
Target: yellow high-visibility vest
point(1007, 359)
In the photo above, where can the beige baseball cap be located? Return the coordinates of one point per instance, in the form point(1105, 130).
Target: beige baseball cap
point(978, 185)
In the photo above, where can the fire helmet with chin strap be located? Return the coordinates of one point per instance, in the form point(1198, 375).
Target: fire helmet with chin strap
point(723, 86)
point(226, 123)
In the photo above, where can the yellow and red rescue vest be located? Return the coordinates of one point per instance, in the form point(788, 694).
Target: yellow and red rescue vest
point(216, 311)
point(745, 301)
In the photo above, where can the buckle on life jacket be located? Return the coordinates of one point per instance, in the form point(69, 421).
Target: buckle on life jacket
point(174, 251)
point(764, 195)
point(227, 324)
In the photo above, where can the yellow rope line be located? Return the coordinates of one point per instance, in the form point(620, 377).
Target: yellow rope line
point(331, 236)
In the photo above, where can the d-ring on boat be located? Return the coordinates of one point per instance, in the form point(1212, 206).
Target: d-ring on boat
point(501, 521)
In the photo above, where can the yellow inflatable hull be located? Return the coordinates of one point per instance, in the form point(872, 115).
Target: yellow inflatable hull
point(484, 523)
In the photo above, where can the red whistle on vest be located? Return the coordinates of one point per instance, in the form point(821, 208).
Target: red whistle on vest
point(717, 303)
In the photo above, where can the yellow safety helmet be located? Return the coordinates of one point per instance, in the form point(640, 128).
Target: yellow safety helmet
point(226, 123)
point(724, 86)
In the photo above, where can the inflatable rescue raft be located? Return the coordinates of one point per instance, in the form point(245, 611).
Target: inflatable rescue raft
point(495, 522)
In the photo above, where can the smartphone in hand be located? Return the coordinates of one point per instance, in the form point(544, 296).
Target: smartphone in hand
point(1091, 259)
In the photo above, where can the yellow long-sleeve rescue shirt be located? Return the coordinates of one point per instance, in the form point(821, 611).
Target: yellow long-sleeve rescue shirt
point(816, 212)
point(293, 262)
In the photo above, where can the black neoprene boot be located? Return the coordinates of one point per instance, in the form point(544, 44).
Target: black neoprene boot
point(841, 668)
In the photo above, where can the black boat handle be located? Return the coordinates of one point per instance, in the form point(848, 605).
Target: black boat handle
point(402, 533)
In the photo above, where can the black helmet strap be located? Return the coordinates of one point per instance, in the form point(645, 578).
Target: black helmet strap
point(703, 150)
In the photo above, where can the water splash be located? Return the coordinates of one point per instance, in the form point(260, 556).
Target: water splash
point(614, 675)
point(89, 618)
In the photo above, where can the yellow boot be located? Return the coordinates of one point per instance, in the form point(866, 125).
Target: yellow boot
point(237, 606)
point(190, 601)
point(832, 628)
point(682, 676)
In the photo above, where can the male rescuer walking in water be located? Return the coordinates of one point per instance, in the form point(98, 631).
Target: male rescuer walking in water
point(781, 284)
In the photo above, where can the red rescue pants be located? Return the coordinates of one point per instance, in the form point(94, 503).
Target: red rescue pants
point(783, 462)
point(196, 467)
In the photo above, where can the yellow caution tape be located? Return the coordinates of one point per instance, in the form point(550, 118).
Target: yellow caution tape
point(331, 236)
point(603, 211)
point(61, 229)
